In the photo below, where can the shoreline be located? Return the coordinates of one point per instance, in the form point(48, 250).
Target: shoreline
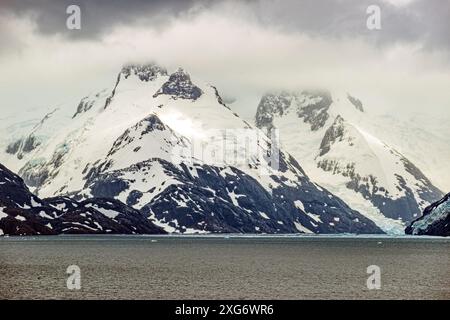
point(227, 237)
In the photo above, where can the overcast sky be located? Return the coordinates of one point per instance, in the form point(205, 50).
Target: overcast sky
point(245, 48)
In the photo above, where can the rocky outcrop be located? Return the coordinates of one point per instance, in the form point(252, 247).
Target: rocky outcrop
point(145, 72)
point(180, 86)
point(356, 102)
point(311, 106)
point(435, 220)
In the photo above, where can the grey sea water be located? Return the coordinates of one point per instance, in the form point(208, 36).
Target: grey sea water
point(234, 267)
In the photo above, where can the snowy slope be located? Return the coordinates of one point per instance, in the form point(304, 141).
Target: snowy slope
point(424, 140)
point(21, 131)
point(333, 137)
point(167, 145)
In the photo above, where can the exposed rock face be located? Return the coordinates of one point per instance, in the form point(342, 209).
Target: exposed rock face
point(18, 208)
point(270, 106)
point(84, 105)
point(316, 113)
point(312, 107)
point(435, 220)
point(180, 86)
point(23, 145)
point(22, 213)
point(333, 134)
point(356, 102)
point(146, 72)
point(214, 199)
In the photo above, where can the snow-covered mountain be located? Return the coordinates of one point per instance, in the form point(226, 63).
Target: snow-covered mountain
point(435, 220)
point(422, 139)
point(336, 140)
point(23, 213)
point(168, 146)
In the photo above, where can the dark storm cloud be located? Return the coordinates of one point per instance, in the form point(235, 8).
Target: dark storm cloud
point(425, 21)
point(99, 17)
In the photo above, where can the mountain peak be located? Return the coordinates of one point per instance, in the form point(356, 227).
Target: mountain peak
point(311, 106)
point(271, 105)
point(180, 86)
point(145, 72)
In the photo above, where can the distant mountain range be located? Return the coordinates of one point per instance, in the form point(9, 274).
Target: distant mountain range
point(162, 152)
